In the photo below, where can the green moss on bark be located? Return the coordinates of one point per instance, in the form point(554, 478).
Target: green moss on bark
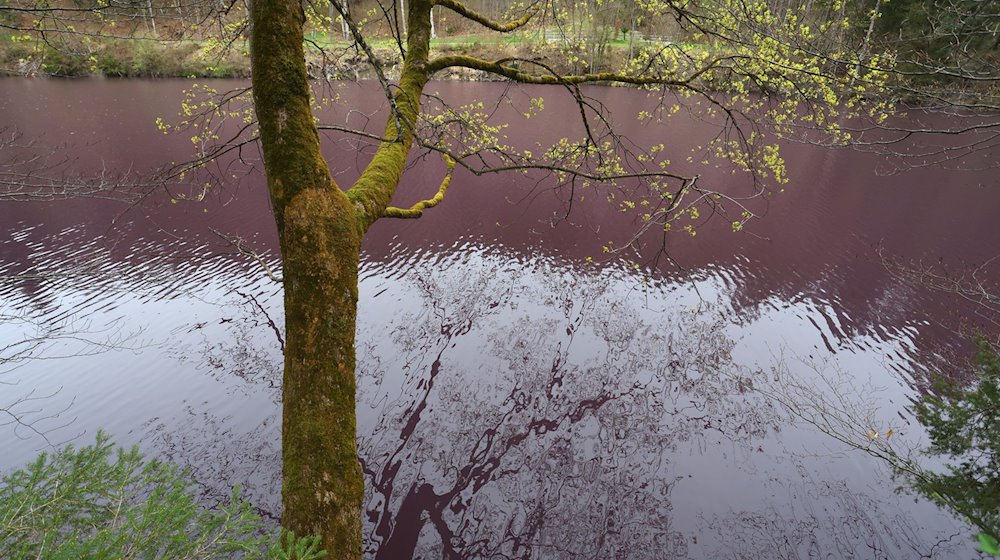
point(320, 231)
point(322, 483)
point(373, 191)
point(320, 240)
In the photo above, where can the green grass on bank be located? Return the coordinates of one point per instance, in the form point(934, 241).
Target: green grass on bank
point(326, 39)
point(141, 57)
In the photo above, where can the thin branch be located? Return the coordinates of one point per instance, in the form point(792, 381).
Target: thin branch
point(240, 245)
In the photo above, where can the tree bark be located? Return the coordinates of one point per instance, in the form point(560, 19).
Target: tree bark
point(320, 236)
point(322, 485)
point(320, 230)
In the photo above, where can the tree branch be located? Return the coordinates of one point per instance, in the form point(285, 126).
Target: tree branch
point(503, 27)
point(417, 210)
point(501, 68)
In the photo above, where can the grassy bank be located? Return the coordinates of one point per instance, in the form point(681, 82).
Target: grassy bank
point(139, 57)
point(149, 57)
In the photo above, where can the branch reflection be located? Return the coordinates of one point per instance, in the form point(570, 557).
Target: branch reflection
point(555, 439)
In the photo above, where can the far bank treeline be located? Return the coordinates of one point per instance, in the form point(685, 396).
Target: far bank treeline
point(936, 40)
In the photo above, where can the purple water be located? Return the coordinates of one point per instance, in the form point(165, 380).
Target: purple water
point(515, 400)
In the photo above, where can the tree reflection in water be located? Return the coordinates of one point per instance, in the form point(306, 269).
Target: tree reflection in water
point(827, 519)
point(537, 415)
point(514, 408)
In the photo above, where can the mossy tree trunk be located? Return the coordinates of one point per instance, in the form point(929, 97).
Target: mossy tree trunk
point(320, 230)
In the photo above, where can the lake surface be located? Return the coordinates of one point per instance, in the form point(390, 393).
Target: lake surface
point(515, 400)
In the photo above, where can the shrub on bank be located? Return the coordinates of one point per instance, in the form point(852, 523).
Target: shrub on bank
point(100, 501)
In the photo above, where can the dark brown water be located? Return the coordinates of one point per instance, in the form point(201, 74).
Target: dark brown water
point(515, 401)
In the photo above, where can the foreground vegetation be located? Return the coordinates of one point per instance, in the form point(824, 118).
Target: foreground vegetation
point(100, 501)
